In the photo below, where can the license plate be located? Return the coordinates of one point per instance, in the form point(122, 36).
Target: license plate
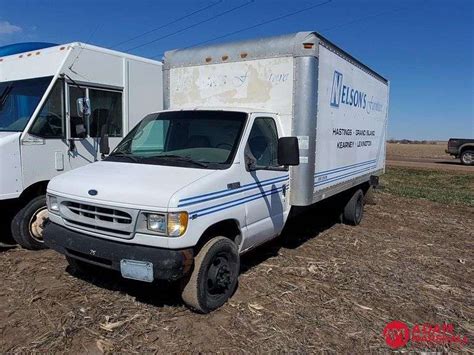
point(136, 270)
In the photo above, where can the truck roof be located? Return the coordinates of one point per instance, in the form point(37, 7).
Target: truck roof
point(26, 50)
point(205, 108)
point(294, 44)
point(23, 47)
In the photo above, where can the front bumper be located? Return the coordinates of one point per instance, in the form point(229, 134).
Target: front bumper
point(168, 264)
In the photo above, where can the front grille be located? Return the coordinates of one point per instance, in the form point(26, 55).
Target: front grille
point(99, 219)
point(99, 213)
point(98, 228)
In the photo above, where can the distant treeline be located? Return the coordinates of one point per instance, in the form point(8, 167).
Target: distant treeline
point(408, 141)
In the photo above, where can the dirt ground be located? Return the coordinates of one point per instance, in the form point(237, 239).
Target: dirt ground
point(323, 286)
point(424, 156)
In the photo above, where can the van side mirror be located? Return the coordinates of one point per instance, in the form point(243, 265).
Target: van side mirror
point(288, 151)
point(104, 141)
point(83, 107)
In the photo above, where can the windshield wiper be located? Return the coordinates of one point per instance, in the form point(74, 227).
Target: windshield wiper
point(125, 155)
point(179, 158)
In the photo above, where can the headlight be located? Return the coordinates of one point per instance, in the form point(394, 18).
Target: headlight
point(177, 224)
point(52, 202)
point(156, 222)
point(165, 224)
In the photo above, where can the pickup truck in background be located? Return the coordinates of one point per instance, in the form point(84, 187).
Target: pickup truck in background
point(463, 149)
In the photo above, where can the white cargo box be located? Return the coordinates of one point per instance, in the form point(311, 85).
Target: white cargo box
point(334, 104)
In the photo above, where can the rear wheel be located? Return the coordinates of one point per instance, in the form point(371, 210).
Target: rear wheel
point(28, 224)
point(354, 209)
point(467, 157)
point(214, 278)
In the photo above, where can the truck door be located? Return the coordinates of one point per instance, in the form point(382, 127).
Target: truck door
point(106, 112)
point(266, 206)
point(44, 146)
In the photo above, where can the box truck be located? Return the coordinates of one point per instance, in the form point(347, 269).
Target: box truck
point(56, 101)
point(252, 130)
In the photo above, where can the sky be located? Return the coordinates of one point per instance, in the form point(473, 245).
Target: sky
point(424, 47)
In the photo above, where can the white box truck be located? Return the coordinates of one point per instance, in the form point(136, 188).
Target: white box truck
point(56, 101)
point(253, 129)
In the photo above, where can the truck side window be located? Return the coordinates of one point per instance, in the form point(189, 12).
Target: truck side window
point(263, 142)
point(106, 109)
point(50, 121)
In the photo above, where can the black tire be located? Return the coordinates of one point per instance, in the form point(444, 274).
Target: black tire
point(28, 223)
point(215, 275)
point(467, 157)
point(354, 209)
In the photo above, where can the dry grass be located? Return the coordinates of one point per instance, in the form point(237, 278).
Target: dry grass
point(417, 151)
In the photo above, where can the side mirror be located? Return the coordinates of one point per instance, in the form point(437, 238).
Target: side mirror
point(83, 107)
point(104, 141)
point(288, 151)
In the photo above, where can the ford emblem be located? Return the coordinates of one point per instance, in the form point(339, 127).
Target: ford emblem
point(92, 192)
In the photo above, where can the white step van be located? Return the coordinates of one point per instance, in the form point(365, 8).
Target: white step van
point(253, 129)
point(56, 101)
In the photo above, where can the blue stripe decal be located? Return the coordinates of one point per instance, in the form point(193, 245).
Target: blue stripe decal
point(251, 186)
point(347, 167)
point(217, 192)
point(223, 193)
point(323, 182)
point(226, 205)
point(240, 201)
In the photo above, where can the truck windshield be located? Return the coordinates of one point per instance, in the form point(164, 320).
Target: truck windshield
point(197, 139)
point(18, 100)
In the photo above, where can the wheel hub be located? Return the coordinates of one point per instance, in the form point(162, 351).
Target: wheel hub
point(37, 223)
point(219, 276)
point(468, 158)
point(223, 277)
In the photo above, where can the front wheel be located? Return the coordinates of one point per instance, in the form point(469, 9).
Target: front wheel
point(214, 278)
point(467, 157)
point(28, 224)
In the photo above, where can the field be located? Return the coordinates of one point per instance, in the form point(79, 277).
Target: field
point(417, 151)
point(423, 156)
point(322, 286)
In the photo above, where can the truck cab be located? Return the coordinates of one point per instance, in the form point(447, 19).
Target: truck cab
point(176, 181)
point(56, 103)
